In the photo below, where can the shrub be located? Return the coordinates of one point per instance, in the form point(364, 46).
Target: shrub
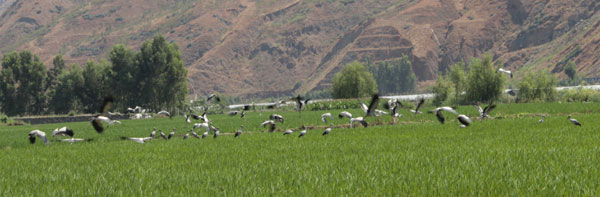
point(537, 87)
point(442, 90)
point(483, 83)
point(353, 81)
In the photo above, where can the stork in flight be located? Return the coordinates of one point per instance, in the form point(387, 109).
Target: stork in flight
point(300, 102)
point(325, 116)
point(438, 112)
point(140, 140)
point(345, 114)
point(358, 119)
point(372, 105)
point(164, 113)
point(104, 108)
point(40, 134)
point(508, 72)
point(73, 140)
point(270, 123)
point(211, 96)
point(63, 131)
point(276, 118)
point(464, 120)
point(416, 110)
point(485, 112)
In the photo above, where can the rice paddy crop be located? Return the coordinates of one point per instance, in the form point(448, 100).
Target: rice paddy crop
point(510, 155)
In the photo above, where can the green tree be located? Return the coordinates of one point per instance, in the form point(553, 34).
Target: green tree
point(162, 74)
point(58, 66)
point(95, 76)
point(571, 70)
point(69, 91)
point(442, 90)
point(537, 86)
point(459, 79)
point(483, 83)
point(22, 83)
point(122, 74)
point(353, 81)
point(394, 76)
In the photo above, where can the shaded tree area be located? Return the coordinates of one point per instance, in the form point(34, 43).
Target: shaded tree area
point(394, 77)
point(154, 77)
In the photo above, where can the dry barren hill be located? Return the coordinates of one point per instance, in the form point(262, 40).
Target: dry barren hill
point(271, 48)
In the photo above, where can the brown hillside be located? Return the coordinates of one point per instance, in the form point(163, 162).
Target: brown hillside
point(277, 48)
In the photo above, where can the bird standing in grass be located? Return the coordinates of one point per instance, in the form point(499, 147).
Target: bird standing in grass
point(575, 122)
point(327, 131)
point(238, 133)
point(287, 132)
point(303, 132)
point(163, 135)
point(541, 120)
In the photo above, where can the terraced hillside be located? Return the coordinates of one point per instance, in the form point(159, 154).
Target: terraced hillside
point(275, 48)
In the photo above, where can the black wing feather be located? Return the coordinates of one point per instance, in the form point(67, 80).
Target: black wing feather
point(439, 116)
point(97, 125)
point(106, 104)
point(419, 105)
point(373, 105)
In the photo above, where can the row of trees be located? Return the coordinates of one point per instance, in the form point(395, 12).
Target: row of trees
point(154, 78)
point(479, 82)
point(386, 77)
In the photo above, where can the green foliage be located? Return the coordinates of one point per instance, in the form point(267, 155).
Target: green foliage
point(537, 87)
point(69, 89)
point(58, 66)
point(154, 78)
point(458, 77)
point(122, 76)
point(162, 76)
point(22, 84)
point(579, 94)
point(394, 77)
point(442, 90)
point(353, 81)
point(571, 70)
point(96, 85)
point(483, 83)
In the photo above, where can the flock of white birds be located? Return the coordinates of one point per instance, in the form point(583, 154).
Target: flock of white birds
point(370, 110)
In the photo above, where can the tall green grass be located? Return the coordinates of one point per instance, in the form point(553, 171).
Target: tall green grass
point(513, 155)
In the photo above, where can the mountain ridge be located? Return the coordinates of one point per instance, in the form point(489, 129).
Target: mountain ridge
point(260, 48)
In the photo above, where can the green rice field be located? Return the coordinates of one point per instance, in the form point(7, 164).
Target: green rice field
point(511, 154)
